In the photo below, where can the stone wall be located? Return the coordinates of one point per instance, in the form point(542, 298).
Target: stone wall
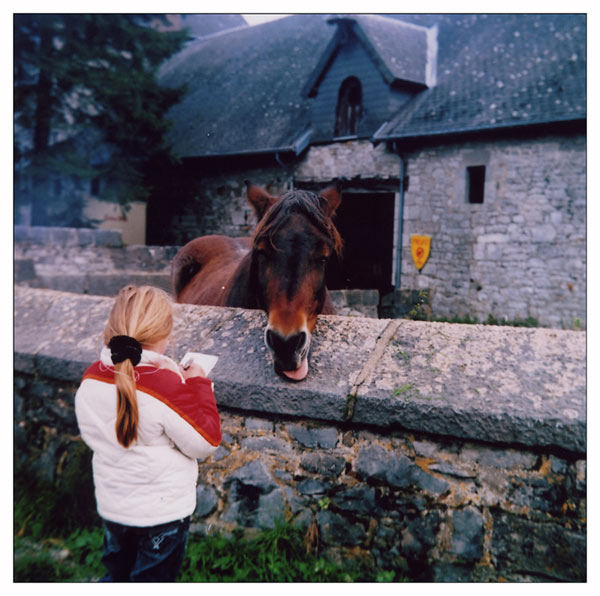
point(216, 201)
point(452, 452)
point(522, 253)
point(87, 261)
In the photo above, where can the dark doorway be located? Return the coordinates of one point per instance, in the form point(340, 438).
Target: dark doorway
point(366, 224)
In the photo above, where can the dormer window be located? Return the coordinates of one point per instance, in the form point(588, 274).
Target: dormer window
point(349, 108)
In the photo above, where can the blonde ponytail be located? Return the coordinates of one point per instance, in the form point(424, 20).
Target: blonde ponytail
point(140, 315)
point(127, 409)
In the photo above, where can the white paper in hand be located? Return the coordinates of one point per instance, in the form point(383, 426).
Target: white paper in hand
point(206, 361)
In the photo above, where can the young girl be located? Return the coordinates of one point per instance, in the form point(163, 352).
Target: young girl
point(147, 421)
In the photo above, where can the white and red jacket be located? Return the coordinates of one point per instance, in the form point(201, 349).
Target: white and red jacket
point(153, 481)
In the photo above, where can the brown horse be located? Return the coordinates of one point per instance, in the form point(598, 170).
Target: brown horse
point(280, 270)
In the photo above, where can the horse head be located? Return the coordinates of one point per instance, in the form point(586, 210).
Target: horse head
point(292, 242)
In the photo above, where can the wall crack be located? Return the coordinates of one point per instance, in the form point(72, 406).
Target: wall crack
point(381, 344)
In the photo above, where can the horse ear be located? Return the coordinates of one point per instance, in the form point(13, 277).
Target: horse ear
point(259, 198)
point(332, 201)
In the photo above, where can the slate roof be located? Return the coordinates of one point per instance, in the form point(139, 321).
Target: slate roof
point(399, 50)
point(246, 86)
point(202, 25)
point(497, 71)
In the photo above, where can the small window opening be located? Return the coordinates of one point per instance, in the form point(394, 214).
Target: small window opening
point(349, 108)
point(475, 184)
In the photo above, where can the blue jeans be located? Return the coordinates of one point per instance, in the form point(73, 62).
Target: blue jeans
point(151, 554)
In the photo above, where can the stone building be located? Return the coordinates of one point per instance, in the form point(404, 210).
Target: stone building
point(468, 129)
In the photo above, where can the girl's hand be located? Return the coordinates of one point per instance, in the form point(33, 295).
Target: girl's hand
point(192, 370)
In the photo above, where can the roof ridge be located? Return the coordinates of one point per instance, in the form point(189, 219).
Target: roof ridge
point(393, 21)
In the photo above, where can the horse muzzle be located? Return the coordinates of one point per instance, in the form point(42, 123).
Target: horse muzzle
point(290, 353)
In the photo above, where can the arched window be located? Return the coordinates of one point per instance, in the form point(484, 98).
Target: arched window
point(349, 108)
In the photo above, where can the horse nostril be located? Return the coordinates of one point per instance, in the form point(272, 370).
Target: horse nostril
point(286, 347)
point(269, 339)
point(301, 341)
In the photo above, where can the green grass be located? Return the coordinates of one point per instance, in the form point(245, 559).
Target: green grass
point(58, 538)
point(274, 555)
point(76, 558)
point(468, 320)
point(419, 312)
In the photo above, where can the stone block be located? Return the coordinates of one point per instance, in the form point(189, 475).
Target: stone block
point(326, 438)
point(253, 474)
point(335, 529)
point(206, 500)
point(258, 424)
point(467, 534)
point(543, 233)
point(323, 463)
point(420, 535)
point(24, 270)
point(110, 238)
point(313, 487)
point(76, 284)
point(356, 500)
point(85, 236)
point(548, 551)
point(271, 509)
point(265, 444)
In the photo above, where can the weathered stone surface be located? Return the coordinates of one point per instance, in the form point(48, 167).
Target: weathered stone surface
point(263, 443)
point(467, 534)
point(391, 518)
point(206, 500)
point(521, 253)
point(358, 500)
point(254, 474)
point(24, 270)
point(489, 383)
point(271, 508)
point(493, 383)
point(258, 424)
point(455, 508)
point(420, 535)
point(378, 465)
point(328, 465)
point(544, 551)
point(326, 438)
point(313, 487)
point(335, 529)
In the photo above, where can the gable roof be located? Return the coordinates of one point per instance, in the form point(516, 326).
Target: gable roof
point(245, 86)
point(403, 52)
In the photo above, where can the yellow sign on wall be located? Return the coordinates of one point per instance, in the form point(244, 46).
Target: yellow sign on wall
point(419, 249)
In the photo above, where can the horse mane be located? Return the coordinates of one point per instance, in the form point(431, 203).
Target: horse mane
point(303, 202)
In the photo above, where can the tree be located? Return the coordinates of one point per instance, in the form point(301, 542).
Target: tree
point(87, 104)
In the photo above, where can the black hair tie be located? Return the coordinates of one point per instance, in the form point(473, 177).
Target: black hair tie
point(123, 347)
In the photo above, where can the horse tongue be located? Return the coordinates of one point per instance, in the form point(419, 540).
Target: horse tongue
point(299, 373)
